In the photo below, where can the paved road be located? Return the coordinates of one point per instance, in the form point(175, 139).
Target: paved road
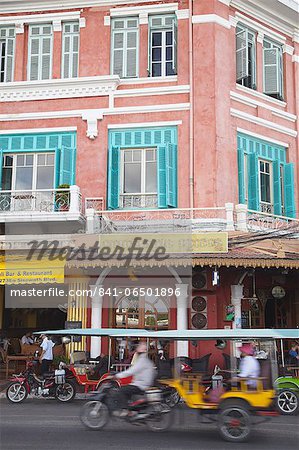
point(44, 424)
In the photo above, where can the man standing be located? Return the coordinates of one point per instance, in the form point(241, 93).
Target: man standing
point(46, 357)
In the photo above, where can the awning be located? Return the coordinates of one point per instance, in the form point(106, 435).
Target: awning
point(15, 269)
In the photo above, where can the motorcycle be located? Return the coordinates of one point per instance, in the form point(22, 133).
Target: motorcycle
point(55, 384)
point(149, 409)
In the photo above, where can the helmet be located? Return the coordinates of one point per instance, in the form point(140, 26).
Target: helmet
point(220, 344)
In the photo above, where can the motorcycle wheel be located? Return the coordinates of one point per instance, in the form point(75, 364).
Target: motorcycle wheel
point(94, 415)
point(173, 398)
point(160, 419)
point(16, 392)
point(234, 423)
point(65, 392)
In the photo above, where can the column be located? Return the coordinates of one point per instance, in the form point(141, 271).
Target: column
point(57, 49)
point(96, 319)
point(182, 317)
point(75, 206)
point(236, 300)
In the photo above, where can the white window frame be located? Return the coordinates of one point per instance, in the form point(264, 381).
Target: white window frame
point(5, 39)
point(71, 53)
point(162, 29)
point(251, 38)
point(30, 36)
point(125, 30)
point(269, 205)
point(281, 78)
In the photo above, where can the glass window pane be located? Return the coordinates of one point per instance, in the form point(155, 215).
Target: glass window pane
point(50, 159)
point(24, 178)
point(132, 178)
point(168, 37)
point(169, 69)
point(151, 177)
point(156, 39)
point(20, 160)
point(29, 160)
point(45, 177)
point(137, 155)
point(41, 160)
point(128, 155)
point(150, 156)
point(6, 179)
point(8, 161)
point(156, 69)
point(169, 53)
point(156, 54)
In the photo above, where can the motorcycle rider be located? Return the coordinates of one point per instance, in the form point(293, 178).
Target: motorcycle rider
point(143, 373)
point(249, 366)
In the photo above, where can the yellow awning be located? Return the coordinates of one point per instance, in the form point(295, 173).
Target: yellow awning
point(17, 270)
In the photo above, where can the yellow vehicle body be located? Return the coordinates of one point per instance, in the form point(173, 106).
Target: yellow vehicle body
point(191, 389)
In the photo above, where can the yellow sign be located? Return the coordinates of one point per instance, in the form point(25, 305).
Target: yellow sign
point(17, 270)
point(173, 243)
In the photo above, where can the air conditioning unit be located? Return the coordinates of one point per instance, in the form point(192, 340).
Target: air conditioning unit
point(199, 279)
point(198, 311)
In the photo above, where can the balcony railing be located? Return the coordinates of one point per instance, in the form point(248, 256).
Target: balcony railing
point(23, 202)
point(139, 201)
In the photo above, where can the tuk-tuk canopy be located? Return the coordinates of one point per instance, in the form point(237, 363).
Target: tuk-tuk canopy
point(181, 335)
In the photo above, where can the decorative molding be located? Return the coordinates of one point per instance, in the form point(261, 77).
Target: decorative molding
point(288, 49)
point(82, 22)
point(38, 130)
point(261, 136)
point(146, 80)
point(149, 9)
point(57, 25)
point(295, 58)
point(233, 21)
point(255, 103)
point(92, 118)
point(260, 95)
point(262, 122)
point(295, 37)
point(159, 90)
point(260, 37)
point(19, 27)
point(225, 2)
point(107, 21)
point(40, 18)
point(182, 14)
point(211, 18)
point(144, 124)
point(61, 88)
point(254, 25)
point(143, 18)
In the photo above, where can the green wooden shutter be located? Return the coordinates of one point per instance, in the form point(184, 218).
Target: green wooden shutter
point(271, 71)
point(253, 182)
point(289, 187)
point(171, 175)
point(67, 166)
point(34, 58)
point(113, 177)
point(131, 53)
point(118, 53)
point(276, 188)
point(46, 51)
point(9, 57)
point(175, 42)
point(162, 201)
point(242, 54)
point(241, 177)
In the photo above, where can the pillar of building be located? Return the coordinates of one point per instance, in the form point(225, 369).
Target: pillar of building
point(236, 300)
point(182, 317)
point(96, 319)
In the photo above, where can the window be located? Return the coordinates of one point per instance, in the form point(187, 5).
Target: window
point(273, 69)
point(265, 183)
point(125, 47)
point(7, 46)
point(70, 50)
point(40, 52)
point(162, 46)
point(245, 57)
point(139, 178)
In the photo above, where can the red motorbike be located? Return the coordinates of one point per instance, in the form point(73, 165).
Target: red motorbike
point(57, 384)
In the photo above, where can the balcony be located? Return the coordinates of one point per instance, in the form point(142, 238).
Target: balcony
point(41, 205)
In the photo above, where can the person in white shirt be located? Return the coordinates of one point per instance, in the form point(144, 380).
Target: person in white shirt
point(143, 374)
point(46, 356)
point(27, 339)
point(249, 366)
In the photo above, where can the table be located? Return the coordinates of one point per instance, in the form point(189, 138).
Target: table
point(24, 358)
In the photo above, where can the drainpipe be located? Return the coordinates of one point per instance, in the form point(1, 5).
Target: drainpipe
point(191, 123)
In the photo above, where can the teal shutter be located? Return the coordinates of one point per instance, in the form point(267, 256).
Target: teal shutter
point(241, 178)
point(113, 177)
point(1, 164)
point(67, 166)
point(253, 182)
point(289, 186)
point(162, 200)
point(276, 188)
point(171, 175)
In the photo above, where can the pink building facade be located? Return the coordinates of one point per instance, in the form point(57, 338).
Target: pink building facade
point(154, 111)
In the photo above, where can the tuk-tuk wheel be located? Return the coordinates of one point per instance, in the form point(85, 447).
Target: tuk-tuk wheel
point(288, 402)
point(234, 422)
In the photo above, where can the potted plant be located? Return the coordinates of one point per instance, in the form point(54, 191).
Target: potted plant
point(62, 197)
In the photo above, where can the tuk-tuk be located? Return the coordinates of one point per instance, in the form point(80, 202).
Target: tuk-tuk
point(240, 404)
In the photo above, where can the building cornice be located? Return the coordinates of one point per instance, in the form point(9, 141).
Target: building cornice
point(39, 18)
point(261, 95)
point(258, 27)
point(211, 18)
